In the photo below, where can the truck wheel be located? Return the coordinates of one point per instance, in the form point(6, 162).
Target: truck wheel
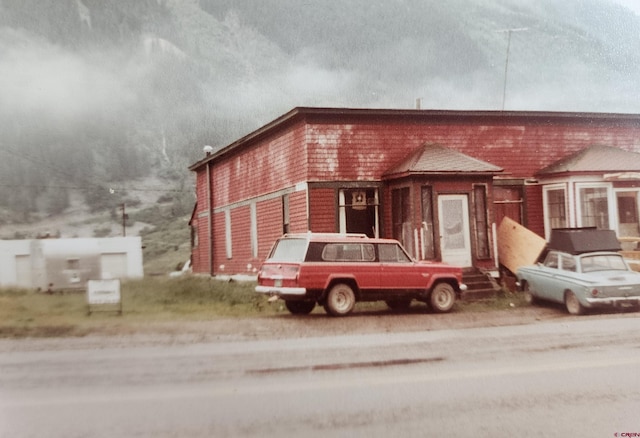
point(300, 307)
point(340, 300)
point(572, 304)
point(442, 297)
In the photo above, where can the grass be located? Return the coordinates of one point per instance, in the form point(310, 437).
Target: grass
point(27, 313)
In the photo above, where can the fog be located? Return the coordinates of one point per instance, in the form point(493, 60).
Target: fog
point(127, 89)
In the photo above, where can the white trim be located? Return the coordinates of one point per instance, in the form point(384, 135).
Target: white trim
point(611, 214)
point(228, 234)
point(342, 212)
point(545, 205)
point(253, 213)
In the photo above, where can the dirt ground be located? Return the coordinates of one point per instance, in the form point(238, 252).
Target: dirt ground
point(288, 326)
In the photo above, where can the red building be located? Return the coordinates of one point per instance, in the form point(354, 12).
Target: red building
point(437, 181)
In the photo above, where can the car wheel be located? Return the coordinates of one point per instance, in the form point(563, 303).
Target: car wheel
point(572, 304)
point(529, 298)
point(340, 300)
point(300, 307)
point(442, 297)
point(400, 304)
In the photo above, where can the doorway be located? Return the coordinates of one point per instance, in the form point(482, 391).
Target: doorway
point(453, 215)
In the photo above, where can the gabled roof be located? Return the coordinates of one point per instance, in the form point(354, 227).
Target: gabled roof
point(595, 159)
point(436, 159)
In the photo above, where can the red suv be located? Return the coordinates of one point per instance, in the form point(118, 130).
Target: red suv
point(337, 270)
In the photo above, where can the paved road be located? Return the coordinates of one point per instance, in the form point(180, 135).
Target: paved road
point(578, 377)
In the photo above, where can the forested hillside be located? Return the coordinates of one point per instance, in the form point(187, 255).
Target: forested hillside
point(98, 94)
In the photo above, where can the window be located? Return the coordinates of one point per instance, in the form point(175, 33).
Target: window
point(73, 264)
point(359, 211)
point(482, 226)
point(555, 205)
point(552, 260)
point(568, 263)
point(392, 253)
point(594, 207)
point(289, 250)
point(348, 252)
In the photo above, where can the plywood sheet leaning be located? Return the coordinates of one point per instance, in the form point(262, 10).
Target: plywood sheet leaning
point(517, 245)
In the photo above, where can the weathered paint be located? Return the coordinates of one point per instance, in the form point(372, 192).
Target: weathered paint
point(358, 146)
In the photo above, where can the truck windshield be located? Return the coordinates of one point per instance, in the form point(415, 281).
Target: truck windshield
point(289, 250)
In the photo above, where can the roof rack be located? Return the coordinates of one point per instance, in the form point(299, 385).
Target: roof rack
point(311, 233)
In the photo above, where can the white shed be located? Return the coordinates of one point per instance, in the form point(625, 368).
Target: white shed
point(69, 263)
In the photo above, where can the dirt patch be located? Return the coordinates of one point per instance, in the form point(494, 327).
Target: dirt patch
point(281, 327)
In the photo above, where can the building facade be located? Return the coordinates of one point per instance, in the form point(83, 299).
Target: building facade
point(438, 181)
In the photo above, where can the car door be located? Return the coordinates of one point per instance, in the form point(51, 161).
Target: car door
point(541, 279)
point(397, 269)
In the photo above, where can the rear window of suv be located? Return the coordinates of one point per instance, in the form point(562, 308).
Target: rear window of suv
point(289, 250)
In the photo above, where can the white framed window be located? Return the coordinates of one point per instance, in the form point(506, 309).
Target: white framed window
point(359, 211)
point(594, 206)
point(554, 199)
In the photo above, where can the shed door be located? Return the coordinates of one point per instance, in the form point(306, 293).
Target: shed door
point(453, 215)
point(113, 265)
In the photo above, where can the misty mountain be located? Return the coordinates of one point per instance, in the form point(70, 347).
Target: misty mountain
point(96, 94)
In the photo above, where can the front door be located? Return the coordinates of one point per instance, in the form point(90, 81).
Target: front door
point(453, 215)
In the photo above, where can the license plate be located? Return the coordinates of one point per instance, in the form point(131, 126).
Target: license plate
point(277, 283)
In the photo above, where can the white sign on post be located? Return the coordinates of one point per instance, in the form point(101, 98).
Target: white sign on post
point(103, 292)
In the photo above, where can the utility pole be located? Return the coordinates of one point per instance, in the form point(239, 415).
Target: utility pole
point(506, 63)
point(124, 221)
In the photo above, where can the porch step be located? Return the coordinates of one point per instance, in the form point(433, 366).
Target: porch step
point(479, 285)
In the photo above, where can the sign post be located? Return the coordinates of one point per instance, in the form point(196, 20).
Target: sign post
point(104, 293)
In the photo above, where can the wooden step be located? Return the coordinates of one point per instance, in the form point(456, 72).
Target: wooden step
point(480, 285)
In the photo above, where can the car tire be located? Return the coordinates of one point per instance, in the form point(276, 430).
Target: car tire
point(340, 300)
point(529, 298)
point(572, 304)
point(300, 307)
point(399, 304)
point(442, 298)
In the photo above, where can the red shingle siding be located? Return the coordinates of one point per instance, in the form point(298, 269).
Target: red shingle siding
point(320, 145)
point(270, 223)
point(265, 167)
point(534, 216)
point(241, 239)
point(365, 151)
point(322, 204)
point(219, 247)
point(200, 255)
point(298, 219)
